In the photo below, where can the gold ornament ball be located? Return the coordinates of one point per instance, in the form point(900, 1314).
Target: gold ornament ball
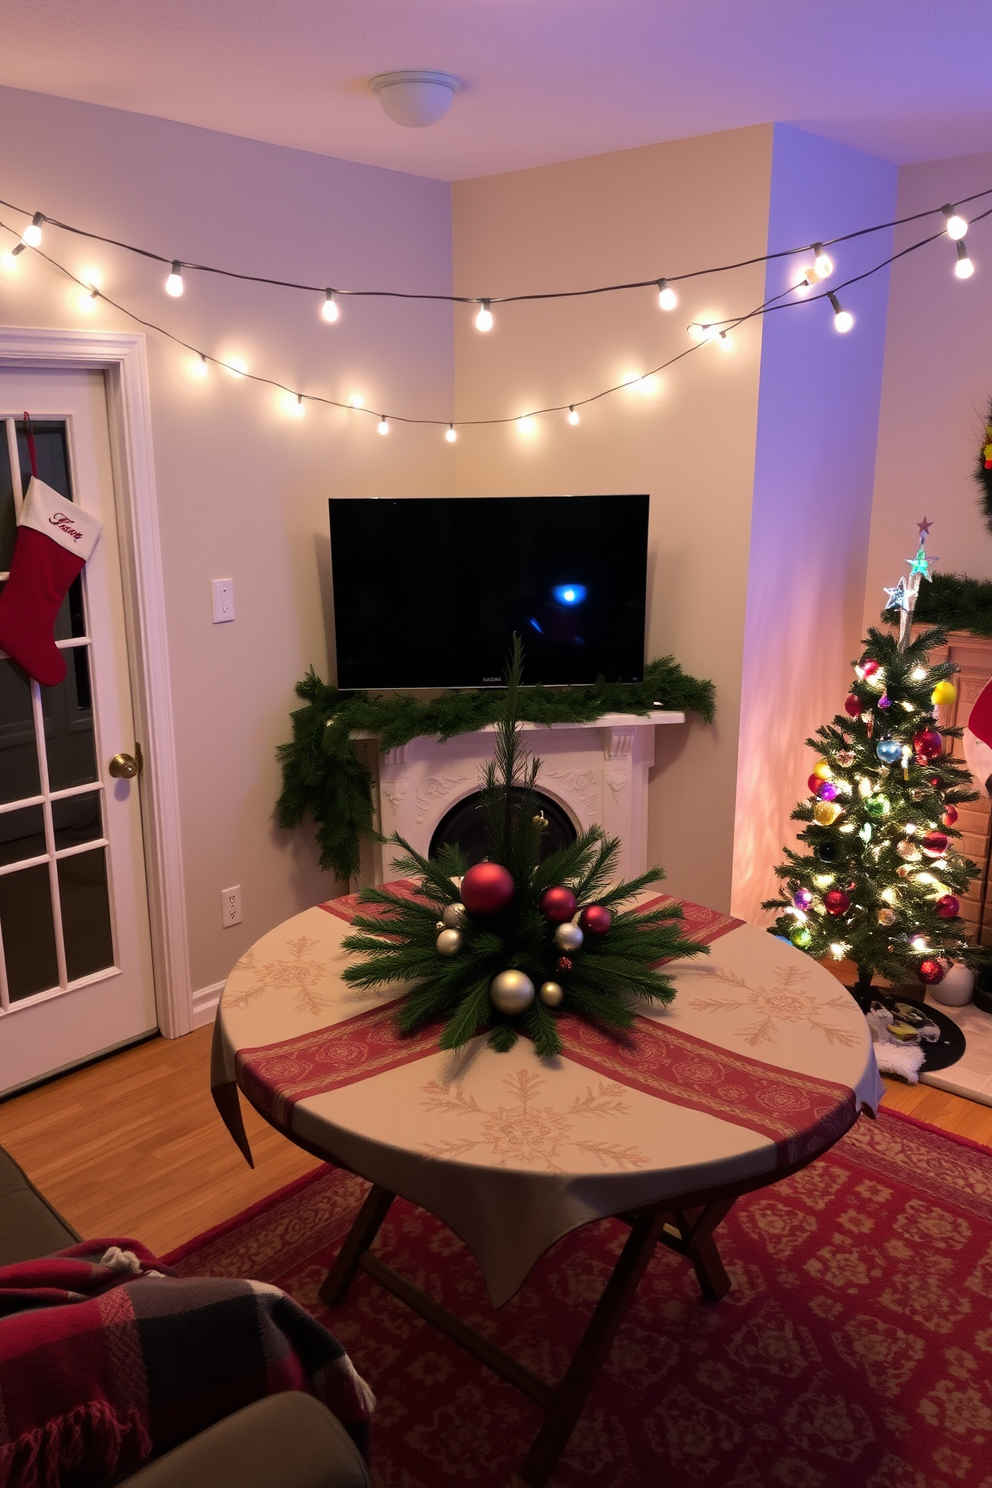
point(511, 991)
point(822, 768)
point(449, 943)
point(551, 994)
point(455, 916)
point(825, 813)
point(943, 694)
point(568, 937)
point(886, 917)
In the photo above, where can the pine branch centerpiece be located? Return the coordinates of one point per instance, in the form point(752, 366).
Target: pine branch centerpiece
point(508, 944)
point(880, 881)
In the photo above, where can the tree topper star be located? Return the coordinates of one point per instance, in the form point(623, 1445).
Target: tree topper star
point(898, 596)
point(924, 527)
point(921, 564)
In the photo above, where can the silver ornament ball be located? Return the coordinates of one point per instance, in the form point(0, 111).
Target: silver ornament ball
point(568, 937)
point(455, 916)
point(449, 943)
point(512, 991)
point(551, 994)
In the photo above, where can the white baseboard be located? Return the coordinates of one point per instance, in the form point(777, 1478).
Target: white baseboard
point(205, 1004)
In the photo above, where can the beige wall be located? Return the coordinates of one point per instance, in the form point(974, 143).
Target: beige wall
point(242, 489)
point(632, 215)
point(937, 383)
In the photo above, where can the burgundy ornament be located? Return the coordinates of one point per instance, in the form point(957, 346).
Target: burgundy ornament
point(563, 964)
point(927, 744)
point(930, 972)
point(934, 844)
point(852, 705)
point(948, 906)
point(487, 888)
point(869, 668)
point(836, 902)
point(557, 905)
point(950, 816)
point(814, 782)
point(595, 919)
point(933, 780)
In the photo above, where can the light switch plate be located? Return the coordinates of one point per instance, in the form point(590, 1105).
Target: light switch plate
point(222, 596)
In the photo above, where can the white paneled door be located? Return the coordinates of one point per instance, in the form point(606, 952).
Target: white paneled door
point(75, 959)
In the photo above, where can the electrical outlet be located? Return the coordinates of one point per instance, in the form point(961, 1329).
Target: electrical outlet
point(222, 597)
point(230, 903)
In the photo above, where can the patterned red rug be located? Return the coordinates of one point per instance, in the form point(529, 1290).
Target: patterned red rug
point(854, 1349)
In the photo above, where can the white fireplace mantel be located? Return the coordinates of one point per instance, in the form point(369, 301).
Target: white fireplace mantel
point(596, 771)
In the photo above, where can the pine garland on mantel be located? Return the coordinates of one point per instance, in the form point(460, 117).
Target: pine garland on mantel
point(322, 777)
point(954, 602)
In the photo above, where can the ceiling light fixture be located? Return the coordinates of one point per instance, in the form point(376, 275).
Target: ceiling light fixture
point(415, 97)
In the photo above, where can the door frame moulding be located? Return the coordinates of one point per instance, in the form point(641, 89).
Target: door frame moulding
point(121, 355)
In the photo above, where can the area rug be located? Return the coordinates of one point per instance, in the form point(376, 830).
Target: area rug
point(854, 1349)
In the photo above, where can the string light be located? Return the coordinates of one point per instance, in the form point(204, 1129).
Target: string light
point(298, 407)
point(31, 236)
point(9, 262)
point(450, 434)
point(823, 265)
point(726, 343)
point(484, 319)
point(237, 366)
point(383, 424)
point(964, 268)
point(667, 298)
point(329, 309)
point(843, 319)
point(573, 417)
point(957, 225)
point(92, 280)
point(198, 366)
point(174, 285)
point(356, 401)
point(525, 424)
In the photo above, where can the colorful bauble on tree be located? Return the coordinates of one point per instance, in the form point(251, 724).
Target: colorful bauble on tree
point(454, 916)
point(930, 971)
point(822, 770)
point(852, 705)
point(828, 852)
point(934, 844)
point(802, 899)
point(836, 902)
point(511, 991)
point(947, 906)
point(595, 920)
point(949, 817)
point(827, 790)
point(563, 965)
point(551, 994)
point(557, 905)
point(944, 694)
point(927, 744)
point(826, 813)
point(877, 806)
point(449, 942)
point(568, 937)
point(886, 916)
point(889, 750)
point(487, 888)
point(869, 667)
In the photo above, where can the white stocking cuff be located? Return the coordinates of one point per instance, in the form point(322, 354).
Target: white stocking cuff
point(66, 524)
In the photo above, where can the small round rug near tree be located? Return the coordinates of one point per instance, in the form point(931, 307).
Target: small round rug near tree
point(508, 945)
point(880, 881)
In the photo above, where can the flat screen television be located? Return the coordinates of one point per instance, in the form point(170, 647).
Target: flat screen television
point(428, 591)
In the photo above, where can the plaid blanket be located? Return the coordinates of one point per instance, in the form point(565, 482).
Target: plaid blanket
point(106, 1361)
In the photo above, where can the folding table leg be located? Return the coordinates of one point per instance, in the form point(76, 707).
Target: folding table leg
point(570, 1395)
point(696, 1228)
point(367, 1224)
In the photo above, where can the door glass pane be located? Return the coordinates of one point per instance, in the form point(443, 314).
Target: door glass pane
point(69, 737)
point(18, 759)
point(28, 932)
point(22, 834)
point(76, 819)
point(89, 944)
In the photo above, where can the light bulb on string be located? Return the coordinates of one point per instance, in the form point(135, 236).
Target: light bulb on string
point(484, 319)
point(198, 366)
point(450, 434)
point(667, 298)
point(822, 262)
point(356, 401)
point(31, 236)
point(297, 407)
point(174, 285)
point(329, 309)
point(725, 341)
point(91, 279)
point(525, 424)
point(843, 319)
point(964, 268)
point(9, 261)
point(383, 424)
point(807, 278)
point(955, 224)
point(573, 417)
point(236, 366)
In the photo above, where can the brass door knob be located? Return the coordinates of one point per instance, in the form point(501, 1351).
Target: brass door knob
point(123, 767)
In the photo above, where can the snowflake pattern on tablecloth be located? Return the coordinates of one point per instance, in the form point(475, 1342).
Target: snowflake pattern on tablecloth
point(298, 973)
point(789, 1002)
point(523, 1133)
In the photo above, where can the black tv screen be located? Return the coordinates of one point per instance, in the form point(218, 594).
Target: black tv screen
point(428, 591)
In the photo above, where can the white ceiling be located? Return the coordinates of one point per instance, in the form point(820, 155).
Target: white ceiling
point(545, 80)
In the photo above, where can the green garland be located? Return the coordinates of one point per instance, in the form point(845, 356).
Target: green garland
point(322, 777)
point(399, 942)
point(983, 472)
point(953, 602)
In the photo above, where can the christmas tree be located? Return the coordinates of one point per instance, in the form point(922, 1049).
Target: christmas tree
point(880, 882)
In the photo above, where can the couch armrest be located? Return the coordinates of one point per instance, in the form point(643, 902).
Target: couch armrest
point(283, 1441)
point(29, 1226)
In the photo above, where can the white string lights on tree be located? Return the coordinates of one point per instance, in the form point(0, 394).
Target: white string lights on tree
point(811, 275)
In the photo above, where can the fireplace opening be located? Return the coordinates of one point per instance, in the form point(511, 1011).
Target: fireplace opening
point(463, 826)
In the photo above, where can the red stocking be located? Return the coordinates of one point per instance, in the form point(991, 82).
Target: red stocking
point(54, 540)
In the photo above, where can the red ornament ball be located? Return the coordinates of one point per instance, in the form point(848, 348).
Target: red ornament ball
point(557, 905)
point(948, 906)
point(564, 963)
point(869, 668)
point(836, 902)
point(950, 816)
point(487, 888)
point(595, 920)
point(852, 705)
point(814, 782)
point(928, 744)
point(930, 972)
point(934, 843)
point(933, 780)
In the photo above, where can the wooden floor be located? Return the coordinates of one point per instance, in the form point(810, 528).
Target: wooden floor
point(133, 1145)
